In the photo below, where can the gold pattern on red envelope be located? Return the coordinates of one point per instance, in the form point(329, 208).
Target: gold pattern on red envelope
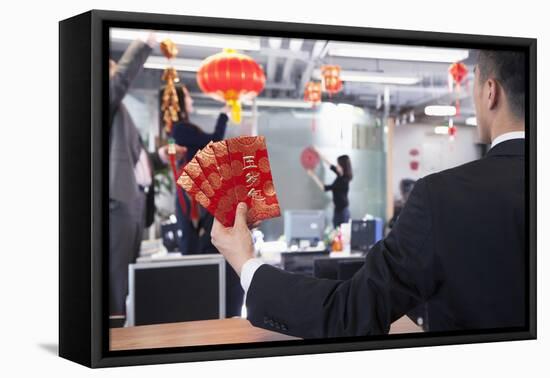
point(252, 176)
point(227, 172)
point(193, 190)
point(194, 170)
point(207, 161)
point(225, 216)
point(229, 198)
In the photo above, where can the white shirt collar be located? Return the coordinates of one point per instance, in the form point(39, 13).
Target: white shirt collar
point(507, 136)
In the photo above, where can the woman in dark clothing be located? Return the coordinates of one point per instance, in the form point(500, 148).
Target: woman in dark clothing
point(190, 135)
point(195, 238)
point(339, 188)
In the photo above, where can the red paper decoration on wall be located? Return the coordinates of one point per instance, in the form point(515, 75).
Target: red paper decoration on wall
point(309, 158)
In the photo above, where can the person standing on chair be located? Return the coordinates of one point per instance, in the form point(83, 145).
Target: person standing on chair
point(131, 169)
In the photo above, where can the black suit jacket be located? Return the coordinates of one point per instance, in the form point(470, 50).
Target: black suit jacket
point(458, 245)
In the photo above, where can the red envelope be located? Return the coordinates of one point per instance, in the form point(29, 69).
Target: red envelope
point(227, 172)
point(252, 177)
point(194, 171)
point(223, 213)
point(193, 190)
point(224, 197)
point(209, 166)
point(229, 200)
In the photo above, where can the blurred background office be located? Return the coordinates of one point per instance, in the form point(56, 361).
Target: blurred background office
point(402, 112)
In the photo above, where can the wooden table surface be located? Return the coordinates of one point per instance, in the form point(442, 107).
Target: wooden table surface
point(209, 332)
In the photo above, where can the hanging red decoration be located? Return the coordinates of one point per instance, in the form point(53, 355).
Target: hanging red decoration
point(332, 83)
point(452, 131)
point(231, 77)
point(313, 94)
point(170, 109)
point(309, 158)
point(170, 105)
point(458, 72)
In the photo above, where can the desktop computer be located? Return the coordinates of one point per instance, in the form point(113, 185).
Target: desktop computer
point(365, 233)
point(304, 225)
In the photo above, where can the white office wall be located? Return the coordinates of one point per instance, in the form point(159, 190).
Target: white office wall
point(435, 152)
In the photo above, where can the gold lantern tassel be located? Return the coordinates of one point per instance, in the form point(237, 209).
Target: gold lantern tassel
point(235, 110)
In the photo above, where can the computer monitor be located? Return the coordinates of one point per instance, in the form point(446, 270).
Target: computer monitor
point(304, 225)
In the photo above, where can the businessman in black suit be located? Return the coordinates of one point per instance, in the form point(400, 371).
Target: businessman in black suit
point(458, 245)
point(131, 169)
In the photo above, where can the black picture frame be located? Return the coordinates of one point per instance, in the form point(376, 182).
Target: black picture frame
point(83, 193)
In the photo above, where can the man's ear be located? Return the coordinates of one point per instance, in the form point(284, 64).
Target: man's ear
point(492, 94)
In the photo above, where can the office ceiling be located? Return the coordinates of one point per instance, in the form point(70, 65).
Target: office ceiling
point(290, 63)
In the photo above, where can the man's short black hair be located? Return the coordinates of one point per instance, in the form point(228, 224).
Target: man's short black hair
point(508, 68)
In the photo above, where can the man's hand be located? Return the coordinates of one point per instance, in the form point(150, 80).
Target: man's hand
point(234, 243)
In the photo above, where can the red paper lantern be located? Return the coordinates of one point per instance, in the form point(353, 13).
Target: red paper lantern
point(414, 165)
point(331, 79)
point(231, 77)
point(458, 72)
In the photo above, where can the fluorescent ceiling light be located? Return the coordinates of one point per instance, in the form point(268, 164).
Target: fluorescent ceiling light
point(192, 39)
point(397, 52)
point(367, 77)
point(441, 130)
point(275, 103)
point(440, 110)
point(295, 44)
point(471, 121)
point(317, 49)
point(160, 63)
point(275, 43)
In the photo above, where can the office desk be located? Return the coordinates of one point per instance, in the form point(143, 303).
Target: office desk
point(202, 332)
point(209, 332)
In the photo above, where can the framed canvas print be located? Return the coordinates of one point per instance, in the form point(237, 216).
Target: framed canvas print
point(236, 188)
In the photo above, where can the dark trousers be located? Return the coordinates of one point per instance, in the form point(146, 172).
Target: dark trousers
point(340, 216)
point(126, 224)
